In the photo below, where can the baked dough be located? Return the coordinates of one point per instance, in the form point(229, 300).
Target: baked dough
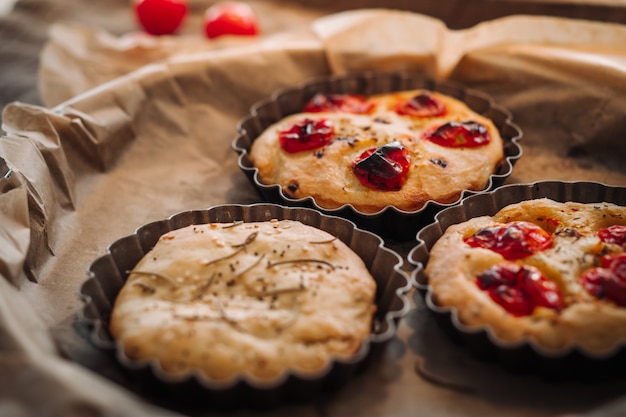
point(436, 172)
point(598, 325)
point(256, 299)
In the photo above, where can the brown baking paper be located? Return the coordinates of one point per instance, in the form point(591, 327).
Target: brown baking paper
point(157, 140)
point(77, 58)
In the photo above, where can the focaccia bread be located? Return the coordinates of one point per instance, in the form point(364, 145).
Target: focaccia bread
point(255, 299)
point(397, 149)
point(549, 272)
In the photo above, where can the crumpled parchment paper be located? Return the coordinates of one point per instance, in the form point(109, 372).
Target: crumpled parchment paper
point(148, 134)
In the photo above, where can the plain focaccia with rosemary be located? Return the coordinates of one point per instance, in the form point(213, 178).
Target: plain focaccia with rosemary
point(597, 325)
point(435, 173)
point(256, 299)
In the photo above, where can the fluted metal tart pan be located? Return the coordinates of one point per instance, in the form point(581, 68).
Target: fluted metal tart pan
point(569, 362)
point(390, 222)
point(108, 273)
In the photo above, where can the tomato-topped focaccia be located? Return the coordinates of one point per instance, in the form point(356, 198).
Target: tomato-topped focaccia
point(397, 149)
point(550, 272)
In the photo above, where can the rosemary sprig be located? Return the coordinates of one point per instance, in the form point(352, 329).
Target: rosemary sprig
point(239, 247)
point(233, 224)
point(243, 271)
point(154, 274)
point(277, 291)
point(224, 316)
point(251, 237)
point(322, 242)
point(203, 289)
point(220, 308)
point(295, 309)
point(300, 260)
point(145, 288)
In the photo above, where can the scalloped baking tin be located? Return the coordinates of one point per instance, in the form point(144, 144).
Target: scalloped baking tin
point(107, 275)
point(389, 222)
point(572, 362)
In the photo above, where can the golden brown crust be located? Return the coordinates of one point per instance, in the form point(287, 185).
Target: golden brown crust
point(437, 173)
point(256, 299)
point(598, 326)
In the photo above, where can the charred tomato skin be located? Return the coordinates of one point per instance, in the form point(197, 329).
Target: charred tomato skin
point(384, 168)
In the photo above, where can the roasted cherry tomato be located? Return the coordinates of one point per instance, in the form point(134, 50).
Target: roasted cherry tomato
point(385, 168)
point(349, 103)
point(519, 289)
point(230, 18)
point(421, 105)
point(608, 280)
point(613, 234)
point(460, 135)
point(514, 240)
point(305, 135)
point(160, 17)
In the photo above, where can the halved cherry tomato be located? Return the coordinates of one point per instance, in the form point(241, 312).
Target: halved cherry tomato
point(349, 103)
point(384, 168)
point(160, 17)
point(421, 105)
point(608, 280)
point(519, 288)
point(460, 135)
point(513, 240)
point(305, 135)
point(613, 234)
point(230, 18)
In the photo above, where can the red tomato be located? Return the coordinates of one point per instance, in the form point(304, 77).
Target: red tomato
point(305, 135)
point(160, 17)
point(230, 18)
point(421, 105)
point(519, 288)
point(460, 135)
point(613, 234)
point(513, 240)
point(385, 168)
point(350, 103)
point(608, 280)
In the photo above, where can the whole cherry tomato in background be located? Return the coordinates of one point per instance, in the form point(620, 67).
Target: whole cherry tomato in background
point(160, 17)
point(230, 18)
